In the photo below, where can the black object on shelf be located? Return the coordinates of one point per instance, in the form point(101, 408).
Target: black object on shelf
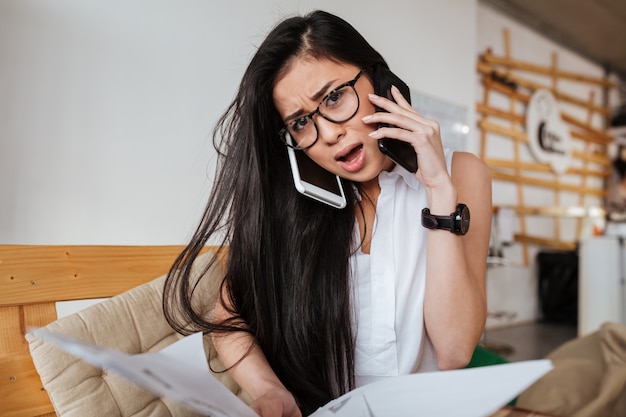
point(557, 273)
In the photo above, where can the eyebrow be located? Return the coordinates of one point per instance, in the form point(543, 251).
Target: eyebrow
point(316, 97)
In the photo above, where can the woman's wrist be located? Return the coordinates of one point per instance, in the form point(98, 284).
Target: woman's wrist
point(267, 387)
point(443, 199)
point(276, 402)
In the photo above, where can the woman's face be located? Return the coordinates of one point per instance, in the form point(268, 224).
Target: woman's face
point(344, 149)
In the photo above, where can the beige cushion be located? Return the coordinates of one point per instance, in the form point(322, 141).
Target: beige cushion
point(588, 379)
point(132, 322)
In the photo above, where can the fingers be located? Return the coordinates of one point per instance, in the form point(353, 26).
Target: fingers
point(276, 403)
point(396, 98)
point(397, 113)
point(399, 98)
point(404, 125)
point(271, 409)
point(417, 137)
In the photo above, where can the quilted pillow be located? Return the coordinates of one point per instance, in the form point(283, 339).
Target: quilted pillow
point(132, 322)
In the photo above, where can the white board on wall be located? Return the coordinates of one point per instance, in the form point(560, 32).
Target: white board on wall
point(452, 119)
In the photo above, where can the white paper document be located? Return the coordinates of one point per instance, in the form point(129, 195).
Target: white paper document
point(180, 372)
point(474, 392)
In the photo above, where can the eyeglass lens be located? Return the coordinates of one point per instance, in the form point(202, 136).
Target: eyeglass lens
point(339, 106)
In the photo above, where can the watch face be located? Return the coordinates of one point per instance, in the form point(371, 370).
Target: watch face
point(463, 219)
point(464, 224)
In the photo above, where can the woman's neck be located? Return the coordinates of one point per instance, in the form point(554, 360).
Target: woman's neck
point(366, 212)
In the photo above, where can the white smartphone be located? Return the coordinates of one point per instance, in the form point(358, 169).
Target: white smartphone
point(314, 181)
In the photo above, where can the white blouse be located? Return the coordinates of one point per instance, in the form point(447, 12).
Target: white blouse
point(389, 284)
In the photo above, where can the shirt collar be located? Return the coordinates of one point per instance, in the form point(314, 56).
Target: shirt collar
point(397, 171)
point(408, 177)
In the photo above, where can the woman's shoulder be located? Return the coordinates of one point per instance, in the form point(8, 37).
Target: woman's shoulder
point(469, 172)
point(467, 162)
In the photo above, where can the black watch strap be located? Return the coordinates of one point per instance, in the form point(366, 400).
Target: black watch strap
point(456, 222)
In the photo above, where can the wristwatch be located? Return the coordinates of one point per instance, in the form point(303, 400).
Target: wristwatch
point(457, 222)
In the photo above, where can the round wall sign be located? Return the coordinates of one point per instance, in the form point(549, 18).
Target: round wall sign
point(548, 137)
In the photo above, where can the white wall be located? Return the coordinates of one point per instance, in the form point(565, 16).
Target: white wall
point(107, 108)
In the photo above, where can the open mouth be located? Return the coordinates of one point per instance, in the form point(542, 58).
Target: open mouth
point(352, 155)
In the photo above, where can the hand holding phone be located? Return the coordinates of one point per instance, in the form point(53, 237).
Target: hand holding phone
point(400, 152)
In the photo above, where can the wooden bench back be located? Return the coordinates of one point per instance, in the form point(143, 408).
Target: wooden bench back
point(33, 278)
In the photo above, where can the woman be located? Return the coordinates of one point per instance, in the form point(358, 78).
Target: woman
point(318, 300)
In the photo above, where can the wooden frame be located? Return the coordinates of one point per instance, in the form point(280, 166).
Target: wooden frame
point(34, 278)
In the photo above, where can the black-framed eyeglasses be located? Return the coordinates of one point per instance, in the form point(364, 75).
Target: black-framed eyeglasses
point(338, 106)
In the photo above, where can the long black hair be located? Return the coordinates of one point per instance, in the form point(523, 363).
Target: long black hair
point(287, 274)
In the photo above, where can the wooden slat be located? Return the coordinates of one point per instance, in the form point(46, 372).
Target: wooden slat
point(503, 130)
point(502, 114)
point(21, 391)
point(15, 322)
point(516, 147)
point(546, 184)
point(589, 134)
point(543, 242)
point(488, 57)
point(601, 136)
point(38, 315)
point(568, 211)
point(587, 139)
point(541, 167)
point(596, 158)
point(11, 334)
point(585, 178)
point(488, 70)
point(518, 135)
point(36, 274)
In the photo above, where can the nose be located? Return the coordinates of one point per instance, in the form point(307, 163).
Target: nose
point(327, 131)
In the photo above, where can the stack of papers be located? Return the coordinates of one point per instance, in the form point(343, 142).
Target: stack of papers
point(180, 372)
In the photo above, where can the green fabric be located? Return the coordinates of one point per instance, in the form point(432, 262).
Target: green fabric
point(485, 357)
